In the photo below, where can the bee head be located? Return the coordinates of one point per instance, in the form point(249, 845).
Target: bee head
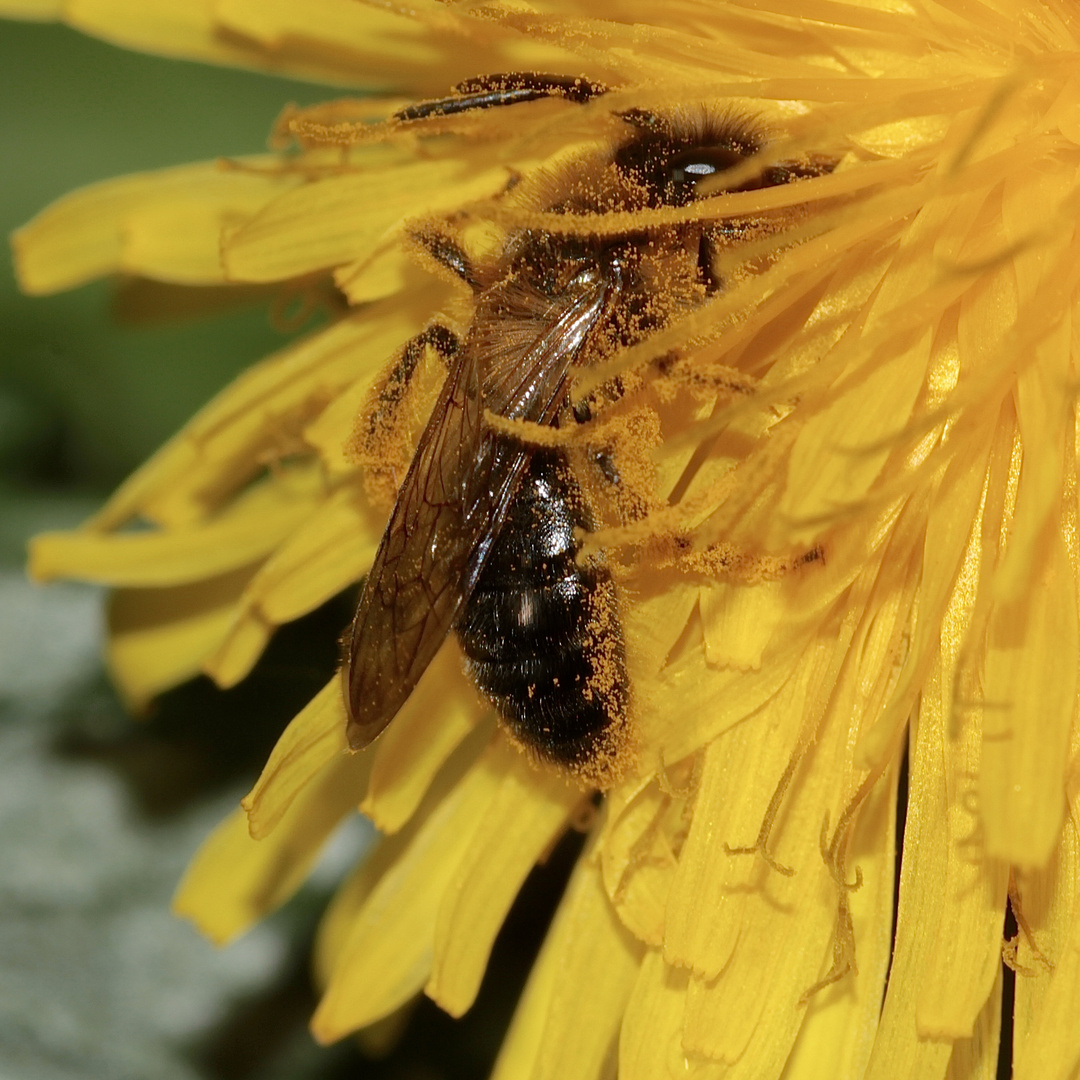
point(667, 159)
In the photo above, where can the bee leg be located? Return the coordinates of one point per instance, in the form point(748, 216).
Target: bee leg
point(725, 560)
point(706, 270)
point(582, 411)
point(605, 462)
point(446, 253)
point(678, 371)
point(383, 416)
point(510, 88)
point(613, 392)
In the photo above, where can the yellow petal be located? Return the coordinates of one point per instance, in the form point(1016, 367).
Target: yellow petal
point(242, 534)
point(382, 274)
point(426, 50)
point(567, 1021)
point(238, 651)
point(952, 507)
point(731, 803)
point(1046, 1038)
point(976, 1058)
point(739, 621)
point(314, 738)
point(32, 9)
point(165, 224)
point(1030, 698)
point(389, 954)
point(841, 1020)
point(202, 30)
point(737, 920)
point(676, 709)
point(1029, 710)
point(329, 433)
point(529, 811)
point(522, 1044)
point(345, 905)
point(256, 419)
point(1042, 384)
point(345, 908)
point(938, 987)
point(650, 1040)
point(682, 709)
point(184, 28)
point(435, 720)
point(349, 42)
point(160, 637)
point(333, 549)
point(951, 894)
point(636, 858)
point(179, 243)
point(342, 218)
point(839, 453)
point(779, 931)
point(235, 880)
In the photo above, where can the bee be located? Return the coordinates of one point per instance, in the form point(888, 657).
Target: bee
point(485, 535)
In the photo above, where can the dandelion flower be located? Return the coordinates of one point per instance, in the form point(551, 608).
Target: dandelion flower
point(850, 590)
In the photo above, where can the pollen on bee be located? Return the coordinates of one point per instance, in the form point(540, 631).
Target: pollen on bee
point(388, 424)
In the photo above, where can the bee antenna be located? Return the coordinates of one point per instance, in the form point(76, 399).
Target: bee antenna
point(507, 88)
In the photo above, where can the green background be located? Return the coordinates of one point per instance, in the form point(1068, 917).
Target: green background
point(91, 397)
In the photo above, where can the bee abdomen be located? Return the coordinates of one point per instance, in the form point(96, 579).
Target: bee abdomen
point(541, 631)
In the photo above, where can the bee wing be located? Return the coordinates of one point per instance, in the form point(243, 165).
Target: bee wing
point(452, 505)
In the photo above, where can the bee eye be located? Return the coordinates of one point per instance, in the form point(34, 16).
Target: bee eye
point(695, 168)
point(669, 172)
point(690, 166)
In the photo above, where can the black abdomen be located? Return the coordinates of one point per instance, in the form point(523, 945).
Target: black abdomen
point(541, 632)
